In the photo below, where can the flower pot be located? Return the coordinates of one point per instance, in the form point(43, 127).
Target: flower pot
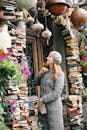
point(26, 4)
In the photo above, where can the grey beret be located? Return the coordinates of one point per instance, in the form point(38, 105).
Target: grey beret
point(56, 57)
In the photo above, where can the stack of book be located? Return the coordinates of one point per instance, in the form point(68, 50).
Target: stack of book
point(20, 38)
point(20, 46)
point(9, 7)
point(73, 68)
point(22, 109)
point(67, 33)
point(23, 89)
point(12, 52)
point(74, 109)
point(75, 79)
point(73, 59)
point(29, 112)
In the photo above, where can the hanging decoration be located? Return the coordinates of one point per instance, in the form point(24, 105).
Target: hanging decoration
point(57, 7)
point(5, 38)
point(26, 4)
point(28, 18)
point(46, 34)
point(79, 17)
point(37, 26)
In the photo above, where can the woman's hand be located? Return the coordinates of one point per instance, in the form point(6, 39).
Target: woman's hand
point(44, 70)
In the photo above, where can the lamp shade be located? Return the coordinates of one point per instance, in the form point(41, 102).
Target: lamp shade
point(79, 17)
point(26, 4)
point(37, 27)
point(5, 38)
point(46, 34)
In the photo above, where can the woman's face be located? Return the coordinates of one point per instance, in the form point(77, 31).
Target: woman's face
point(50, 60)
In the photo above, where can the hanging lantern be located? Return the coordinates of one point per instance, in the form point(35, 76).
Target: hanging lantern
point(57, 7)
point(37, 27)
point(26, 4)
point(79, 17)
point(46, 35)
point(30, 21)
point(5, 38)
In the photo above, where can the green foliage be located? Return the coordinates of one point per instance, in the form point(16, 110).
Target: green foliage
point(3, 126)
point(83, 53)
point(9, 70)
point(84, 64)
point(1, 112)
point(1, 2)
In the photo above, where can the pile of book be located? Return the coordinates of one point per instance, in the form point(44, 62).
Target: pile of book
point(67, 33)
point(73, 60)
point(75, 80)
point(9, 7)
point(73, 66)
point(22, 113)
point(20, 37)
point(18, 41)
point(75, 110)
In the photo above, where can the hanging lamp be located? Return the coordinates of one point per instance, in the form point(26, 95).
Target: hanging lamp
point(37, 26)
point(5, 38)
point(46, 34)
point(79, 17)
point(29, 20)
point(26, 4)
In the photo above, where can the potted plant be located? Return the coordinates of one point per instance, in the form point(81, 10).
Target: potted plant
point(9, 71)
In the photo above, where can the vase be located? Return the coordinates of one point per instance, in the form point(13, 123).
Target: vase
point(26, 4)
point(79, 17)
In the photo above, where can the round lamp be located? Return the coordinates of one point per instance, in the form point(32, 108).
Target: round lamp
point(26, 4)
point(79, 17)
point(57, 7)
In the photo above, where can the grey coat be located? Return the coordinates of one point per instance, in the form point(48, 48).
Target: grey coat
point(50, 92)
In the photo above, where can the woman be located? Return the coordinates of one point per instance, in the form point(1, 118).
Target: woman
point(51, 81)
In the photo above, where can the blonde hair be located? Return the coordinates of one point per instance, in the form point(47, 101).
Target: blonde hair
point(56, 70)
